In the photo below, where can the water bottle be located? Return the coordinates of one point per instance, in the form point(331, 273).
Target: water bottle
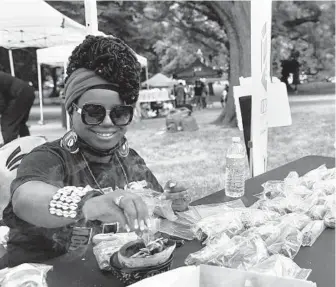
point(235, 169)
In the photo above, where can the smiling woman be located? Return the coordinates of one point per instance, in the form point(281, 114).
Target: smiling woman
point(67, 188)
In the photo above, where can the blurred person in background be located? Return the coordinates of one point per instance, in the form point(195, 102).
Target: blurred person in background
point(16, 99)
point(198, 91)
point(180, 95)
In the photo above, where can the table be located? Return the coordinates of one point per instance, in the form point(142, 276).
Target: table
point(320, 257)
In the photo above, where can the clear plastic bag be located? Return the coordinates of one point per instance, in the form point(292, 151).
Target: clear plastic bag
point(252, 217)
point(266, 231)
point(313, 176)
point(299, 191)
point(312, 231)
point(211, 226)
point(317, 212)
point(329, 218)
point(196, 213)
point(316, 198)
point(281, 205)
point(272, 189)
point(287, 241)
point(326, 186)
point(105, 249)
point(209, 252)
point(176, 229)
point(25, 275)
point(155, 200)
point(297, 220)
point(292, 179)
point(231, 222)
point(329, 174)
point(281, 266)
point(242, 253)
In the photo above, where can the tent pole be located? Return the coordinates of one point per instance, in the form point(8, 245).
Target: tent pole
point(147, 77)
point(11, 62)
point(39, 75)
point(91, 17)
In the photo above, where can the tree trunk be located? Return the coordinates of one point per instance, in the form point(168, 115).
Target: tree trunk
point(236, 20)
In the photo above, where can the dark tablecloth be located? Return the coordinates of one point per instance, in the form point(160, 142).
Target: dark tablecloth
point(84, 272)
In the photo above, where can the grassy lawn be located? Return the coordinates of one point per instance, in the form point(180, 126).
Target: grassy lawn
point(198, 158)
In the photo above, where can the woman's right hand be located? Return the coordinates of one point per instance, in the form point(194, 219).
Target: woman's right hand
point(118, 206)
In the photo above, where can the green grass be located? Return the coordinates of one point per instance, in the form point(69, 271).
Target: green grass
point(198, 158)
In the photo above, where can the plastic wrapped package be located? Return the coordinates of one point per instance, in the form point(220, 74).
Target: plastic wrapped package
point(251, 217)
point(329, 218)
point(329, 174)
point(281, 266)
point(326, 186)
point(281, 205)
point(266, 231)
point(231, 222)
point(317, 212)
point(297, 220)
point(242, 253)
point(25, 275)
point(227, 221)
point(287, 241)
point(292, 179)
point(297, 190)
point(196, 213)
point(316, 198)
point(209, 252)
point(313, 176)
point(105, 249)
point(176, 229)
point(154, 200)
point(271, 189)
point(312, 231)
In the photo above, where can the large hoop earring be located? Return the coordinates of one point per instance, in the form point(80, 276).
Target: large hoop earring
point(70, 142)
point(124, 149)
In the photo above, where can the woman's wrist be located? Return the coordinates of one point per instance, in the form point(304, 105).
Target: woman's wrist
point(68, 202)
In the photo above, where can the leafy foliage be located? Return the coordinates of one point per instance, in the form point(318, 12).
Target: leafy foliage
point(309, 28)
point(169, 34)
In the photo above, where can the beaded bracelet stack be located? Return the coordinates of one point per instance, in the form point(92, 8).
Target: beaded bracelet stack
point(67, 201)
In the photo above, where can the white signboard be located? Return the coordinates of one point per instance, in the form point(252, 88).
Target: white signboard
point(278, 109)
point(260, 70)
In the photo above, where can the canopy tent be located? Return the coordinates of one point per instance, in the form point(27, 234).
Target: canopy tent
point(34, 23)
point(159, 81)
point(58, 55)
point(198, 70)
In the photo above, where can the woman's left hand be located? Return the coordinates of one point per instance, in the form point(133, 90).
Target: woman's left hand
point(178, 194)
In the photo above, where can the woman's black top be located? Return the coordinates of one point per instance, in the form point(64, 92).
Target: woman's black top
point(51, 164)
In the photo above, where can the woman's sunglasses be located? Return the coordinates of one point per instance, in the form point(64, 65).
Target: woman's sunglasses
point(94, 114)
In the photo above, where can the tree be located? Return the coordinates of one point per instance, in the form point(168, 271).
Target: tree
point(234, 17)
point(309, 28)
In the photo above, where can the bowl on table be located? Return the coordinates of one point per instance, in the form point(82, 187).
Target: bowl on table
point(130, 270)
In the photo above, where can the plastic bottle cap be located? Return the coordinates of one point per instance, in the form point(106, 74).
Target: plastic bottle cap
point(236, 139)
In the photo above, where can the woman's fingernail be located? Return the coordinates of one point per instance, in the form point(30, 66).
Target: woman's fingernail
point(172, 184)
point(127, 228)
point(142, 225)
point(136, 224)
point(148, 223)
